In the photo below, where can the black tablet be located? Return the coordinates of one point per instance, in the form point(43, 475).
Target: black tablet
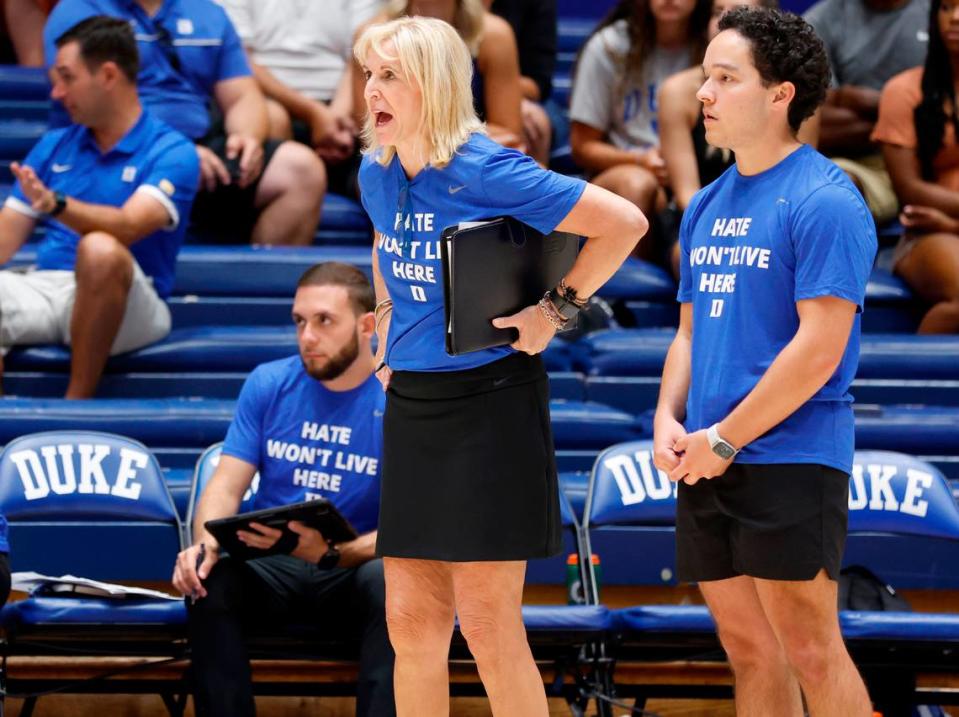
point(319, 514)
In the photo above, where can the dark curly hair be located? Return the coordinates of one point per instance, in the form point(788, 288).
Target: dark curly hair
point(938, 104)
point(785, 49)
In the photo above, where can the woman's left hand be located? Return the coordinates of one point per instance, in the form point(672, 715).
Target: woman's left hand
point(535, 331)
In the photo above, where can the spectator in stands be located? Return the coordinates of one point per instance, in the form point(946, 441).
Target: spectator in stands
point(754, 420)
point(691, 162)
point(497, 93)
point(24, 21)
point(301, 57)
point(868, 41)
point(917, 127)
point(113, 191)
point(469, 477)
point(614, 133)
point(534, 26)
point(327, 402)
point(192, 59)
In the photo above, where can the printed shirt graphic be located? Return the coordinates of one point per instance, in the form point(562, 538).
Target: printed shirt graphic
point(484, 180)
point(309, 442)
point(751, 248)
point(151, 158)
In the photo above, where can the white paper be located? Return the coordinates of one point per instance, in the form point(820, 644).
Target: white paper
point(27, 581)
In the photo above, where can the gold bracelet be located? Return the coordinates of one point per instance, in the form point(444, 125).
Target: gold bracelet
point(552, 316)
point(379, 319)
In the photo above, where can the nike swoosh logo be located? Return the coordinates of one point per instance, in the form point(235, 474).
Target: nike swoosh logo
point(377, 413)
point(61, 167)
point(500, 381)
point(454, 190)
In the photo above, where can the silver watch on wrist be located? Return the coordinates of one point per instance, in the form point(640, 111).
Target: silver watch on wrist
point(721, 448)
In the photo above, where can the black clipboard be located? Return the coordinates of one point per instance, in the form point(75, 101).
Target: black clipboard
point(496, 268)
point(320, 514)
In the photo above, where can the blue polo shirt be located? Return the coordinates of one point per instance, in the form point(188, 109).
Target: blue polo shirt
point(198, 32)
point(151, 158)
point(753, 246)
point(310, 442)
point(483, 180)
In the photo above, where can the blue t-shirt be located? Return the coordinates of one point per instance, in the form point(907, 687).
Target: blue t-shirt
point(484, 180)
point(310, 442)
point(151, 158)
point(197, 32)
point(751, 248)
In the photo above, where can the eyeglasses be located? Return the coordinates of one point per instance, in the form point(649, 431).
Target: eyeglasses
point(165, 42)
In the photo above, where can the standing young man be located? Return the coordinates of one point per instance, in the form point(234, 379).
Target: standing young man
point(775, 258)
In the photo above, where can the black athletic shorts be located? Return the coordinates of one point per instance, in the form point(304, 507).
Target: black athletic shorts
point(227, 214)
point(778, 522)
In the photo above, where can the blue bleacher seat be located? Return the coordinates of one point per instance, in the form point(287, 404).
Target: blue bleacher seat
point(24, 83)
point(641, 352)
point(17, 137)
point(180, 423)
point(87, 503)
point(344, 214)
point(581, 424)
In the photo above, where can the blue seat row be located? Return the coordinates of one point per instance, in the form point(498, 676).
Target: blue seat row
point(641, 352)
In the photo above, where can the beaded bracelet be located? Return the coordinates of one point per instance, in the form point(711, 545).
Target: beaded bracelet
point(549, 311)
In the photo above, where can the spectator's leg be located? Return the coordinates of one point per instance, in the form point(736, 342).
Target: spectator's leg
point(639, 186)
point(104, 274)
point(804, 616)
point(419, 616)
point(489, 598)
point(289, 197)
point(931, 268)
point(25, 21)
point(765, 684)
point(281, 127)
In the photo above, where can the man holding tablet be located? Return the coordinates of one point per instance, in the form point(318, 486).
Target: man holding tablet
point(311, 425)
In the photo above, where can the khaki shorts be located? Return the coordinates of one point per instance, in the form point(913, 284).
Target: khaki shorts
point(870, 172)
point(36, 307)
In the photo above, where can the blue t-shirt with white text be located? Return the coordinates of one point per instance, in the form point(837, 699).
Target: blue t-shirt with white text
point(751, 248)
point(484, 180)
point(310, 442)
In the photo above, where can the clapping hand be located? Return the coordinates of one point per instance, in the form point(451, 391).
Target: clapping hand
point(42, 199)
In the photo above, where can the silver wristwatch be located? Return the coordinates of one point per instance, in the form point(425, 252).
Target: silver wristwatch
point(721, 448)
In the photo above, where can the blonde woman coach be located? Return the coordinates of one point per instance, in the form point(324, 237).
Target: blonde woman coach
point(469, 489)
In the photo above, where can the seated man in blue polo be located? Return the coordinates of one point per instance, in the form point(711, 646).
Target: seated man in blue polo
point(113, 192)
point(312, 426)
point(192, 59)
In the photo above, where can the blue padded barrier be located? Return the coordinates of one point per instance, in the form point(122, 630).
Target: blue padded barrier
point(903, 521)
point(87, 503)
point(641, 352)
point(856, 625)
point(574, 618)
point(60, 612)
point(24, 83)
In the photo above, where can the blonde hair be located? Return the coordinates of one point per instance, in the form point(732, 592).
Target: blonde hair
point(467, 20)
point(433, 57)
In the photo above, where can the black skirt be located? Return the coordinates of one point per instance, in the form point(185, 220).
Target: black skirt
point(468, 469)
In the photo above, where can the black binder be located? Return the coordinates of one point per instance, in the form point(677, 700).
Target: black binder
point(494, 269)
point(319, 514)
